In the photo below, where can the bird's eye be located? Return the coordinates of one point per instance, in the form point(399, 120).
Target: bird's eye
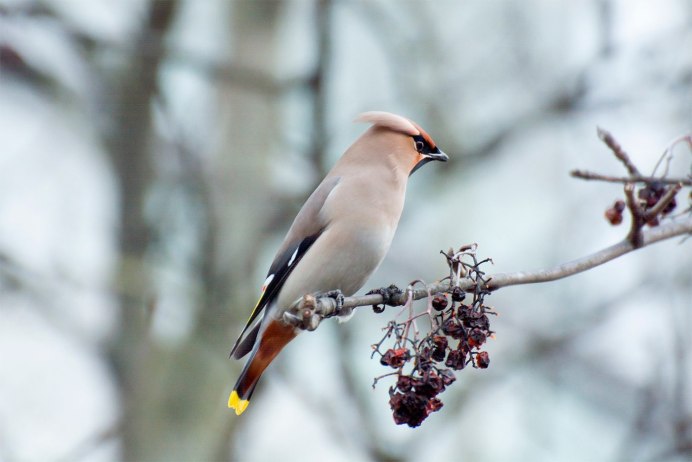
point(420, 146)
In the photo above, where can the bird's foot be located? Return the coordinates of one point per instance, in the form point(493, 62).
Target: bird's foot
point(338, 297)
point(388, 294)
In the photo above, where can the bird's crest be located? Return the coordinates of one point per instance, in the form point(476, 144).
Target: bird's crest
point(389, 120)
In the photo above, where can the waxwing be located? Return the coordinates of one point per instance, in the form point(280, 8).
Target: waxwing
point(339, 237)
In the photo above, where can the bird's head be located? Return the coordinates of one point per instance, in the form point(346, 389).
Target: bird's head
point(417, 146)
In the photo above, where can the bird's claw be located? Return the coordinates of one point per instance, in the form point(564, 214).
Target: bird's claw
point(338, 297)
point(388, 294)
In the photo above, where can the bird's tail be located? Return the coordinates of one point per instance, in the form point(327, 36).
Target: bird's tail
point(270, 343)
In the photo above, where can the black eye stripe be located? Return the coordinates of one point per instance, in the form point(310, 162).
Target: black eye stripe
point(421, 145)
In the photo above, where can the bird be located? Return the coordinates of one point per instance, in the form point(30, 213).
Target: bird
point(338, 238)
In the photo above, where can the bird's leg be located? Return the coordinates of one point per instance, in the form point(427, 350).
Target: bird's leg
point(388, 294)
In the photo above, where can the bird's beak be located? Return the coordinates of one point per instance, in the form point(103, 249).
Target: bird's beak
point(439, 155)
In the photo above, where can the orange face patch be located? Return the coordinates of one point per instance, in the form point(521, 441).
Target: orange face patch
point(427, 138)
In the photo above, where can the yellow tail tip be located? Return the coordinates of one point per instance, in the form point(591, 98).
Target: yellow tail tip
point(234, 402)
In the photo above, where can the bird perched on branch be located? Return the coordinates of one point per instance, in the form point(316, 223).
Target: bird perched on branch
point(339, 237)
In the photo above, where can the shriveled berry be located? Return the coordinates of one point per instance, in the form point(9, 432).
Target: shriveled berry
point(395, 358)
point(404, 383)
point(464, 311)
point(440, 347)
point(430, 386)
point(476, 337)
point(433, 405)
point(456, 359)
point(613, 216)
point(458, 294)
point(478, 320)
point(439, 302)
point(451, 328)
point(619, 205)
point(408, 408)
point(447, 376)
point(483, 359)
point(425, 359)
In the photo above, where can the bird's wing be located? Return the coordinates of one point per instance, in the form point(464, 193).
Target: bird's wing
point(306, 229)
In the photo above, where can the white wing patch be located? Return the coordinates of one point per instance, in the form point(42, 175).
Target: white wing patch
point(293, 257)
point(267, 282)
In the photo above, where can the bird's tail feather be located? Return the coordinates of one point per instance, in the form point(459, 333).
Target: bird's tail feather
point(271, 342)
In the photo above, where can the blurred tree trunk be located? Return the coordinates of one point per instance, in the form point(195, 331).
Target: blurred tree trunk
point(129, 141)
point(174, 400)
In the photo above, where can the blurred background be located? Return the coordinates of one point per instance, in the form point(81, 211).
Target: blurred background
point(153, 154)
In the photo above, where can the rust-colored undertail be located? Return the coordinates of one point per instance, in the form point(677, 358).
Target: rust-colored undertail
point(271, 342)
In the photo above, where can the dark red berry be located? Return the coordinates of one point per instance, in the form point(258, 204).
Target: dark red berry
point(476, 337)
point(478, 320)
point(408, 408)
point(451, 328)
point(430, 386)
point(404, 383)
point(613, 216)
point(395, 358)
point(482, 360)
point(439, 302)
point(440, 347)
point(458, 294)
point(433, 405)
point(456, 359)
point(425, 359)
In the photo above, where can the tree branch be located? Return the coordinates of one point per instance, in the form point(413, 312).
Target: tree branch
point(312, 309)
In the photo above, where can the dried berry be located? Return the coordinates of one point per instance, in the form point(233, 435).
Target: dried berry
point(613, 216)
point(425, 360)
point(651, 194)
point(430, 386)
point(430, 358)
point(404, 383)
point(439, 302)
point(482, 360)
point(477, 320)
point(395, 358)
point(458, 295)
point(447, 376)
point(440, 350)
point(433, 405)
point(409, 408)
point(453, 329)
point(619, 205)
point(476, 337)
point(456, 359)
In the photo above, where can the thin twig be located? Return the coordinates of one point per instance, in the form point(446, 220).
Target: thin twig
point(635, 234)
point(620, 153)
point(586, 175)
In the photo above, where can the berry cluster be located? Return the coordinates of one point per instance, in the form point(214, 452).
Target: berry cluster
point(650, 195)
point(648, 198)
point(614, 213)
point(424, 366)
